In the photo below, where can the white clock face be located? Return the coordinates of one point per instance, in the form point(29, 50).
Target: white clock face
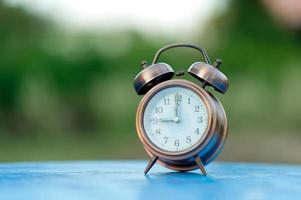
point(175, 119)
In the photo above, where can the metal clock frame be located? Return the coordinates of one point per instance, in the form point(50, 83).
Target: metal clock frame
point(205, 150)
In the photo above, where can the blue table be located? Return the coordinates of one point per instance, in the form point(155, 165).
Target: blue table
point(86, 180)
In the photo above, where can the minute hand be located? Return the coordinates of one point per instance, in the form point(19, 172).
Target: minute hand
point(177, 106)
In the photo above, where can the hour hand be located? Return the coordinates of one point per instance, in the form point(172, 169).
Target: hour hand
point(166, 120)
point(176, 120)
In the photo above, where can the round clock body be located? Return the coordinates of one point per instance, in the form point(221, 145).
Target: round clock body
point(178, 121)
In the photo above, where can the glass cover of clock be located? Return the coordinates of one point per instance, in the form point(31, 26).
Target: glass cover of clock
point(175, 119)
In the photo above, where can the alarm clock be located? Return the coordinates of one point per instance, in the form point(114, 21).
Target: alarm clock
point(181, 125)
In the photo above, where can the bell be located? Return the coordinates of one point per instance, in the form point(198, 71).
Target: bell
point(210, 75)
point(151, 76)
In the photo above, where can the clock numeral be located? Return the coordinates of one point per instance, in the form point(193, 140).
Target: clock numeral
point(197, 108)
point(165, 139)
point(178, 98)
point(200, 119)
point(158, 131)
point(197, 131)
point(177, 143)
point(188, 139)
point(154, 120)
point(159, 109)
point(188, 100)
point(166, 101)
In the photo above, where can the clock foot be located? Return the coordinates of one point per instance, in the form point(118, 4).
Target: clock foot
point(200, 165)
point(150, 164)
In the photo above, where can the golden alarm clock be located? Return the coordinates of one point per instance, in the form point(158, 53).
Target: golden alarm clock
point(181, 125)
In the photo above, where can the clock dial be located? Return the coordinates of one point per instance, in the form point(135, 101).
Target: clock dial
point(175, 119)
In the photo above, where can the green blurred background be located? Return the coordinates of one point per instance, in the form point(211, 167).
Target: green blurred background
point(66, 91)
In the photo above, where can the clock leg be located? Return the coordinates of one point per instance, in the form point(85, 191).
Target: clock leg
point(150, 164)
point(200, 165)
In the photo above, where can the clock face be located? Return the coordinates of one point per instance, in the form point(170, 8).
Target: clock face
point(175, 119)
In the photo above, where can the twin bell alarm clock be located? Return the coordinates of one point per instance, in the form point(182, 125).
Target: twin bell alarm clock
point(181, 125)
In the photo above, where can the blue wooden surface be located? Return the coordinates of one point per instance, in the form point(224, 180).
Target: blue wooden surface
point(125, 180)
